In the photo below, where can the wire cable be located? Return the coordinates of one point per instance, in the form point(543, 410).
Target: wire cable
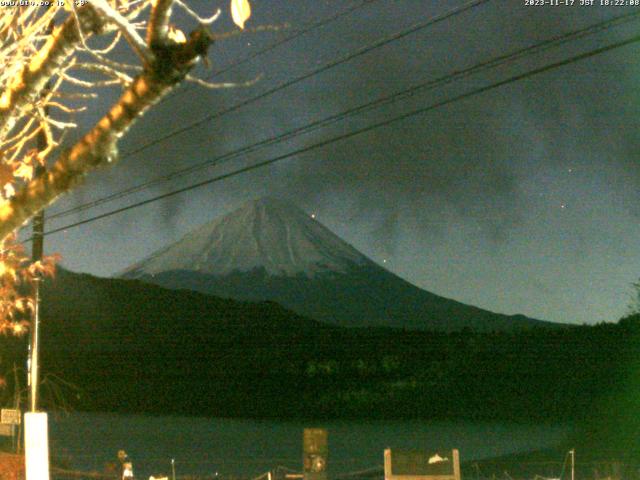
point(354, 133)
point(273, 46)
point(334, 63)
point(431, 84)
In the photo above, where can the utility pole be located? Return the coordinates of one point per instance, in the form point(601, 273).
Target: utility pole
point(37, 249)
point(573, 463)
point(36, 428)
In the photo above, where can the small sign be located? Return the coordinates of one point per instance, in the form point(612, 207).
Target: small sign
point(6, 430)
point(316, 450)
point(420, 465)
point(314, 441)
point(10, 416)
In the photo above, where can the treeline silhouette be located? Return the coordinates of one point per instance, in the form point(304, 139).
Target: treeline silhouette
point(133, 347)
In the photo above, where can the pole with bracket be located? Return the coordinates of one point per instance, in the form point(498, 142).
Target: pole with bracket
point(36, 256)
point(36, 436)
point(36, 429)
point(573, 464)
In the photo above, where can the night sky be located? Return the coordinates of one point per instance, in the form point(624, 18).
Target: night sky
point(523, 199)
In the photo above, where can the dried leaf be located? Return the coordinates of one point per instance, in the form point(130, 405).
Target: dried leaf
point(24, 304)
point(48, 270)
point(177, 35)
point(24, 171)
point(9, 191)
point(240, 12)
point(44, 268)
point(6, 174)
point(20, 328)
point(7, 273)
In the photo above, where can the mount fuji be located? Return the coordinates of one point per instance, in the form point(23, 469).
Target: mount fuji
point(271, 250)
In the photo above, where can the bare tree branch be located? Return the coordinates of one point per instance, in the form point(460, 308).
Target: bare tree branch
point(137, 43)
point(37, 62)
point(218, 85)
point(99, 146)
point(158, 26)
point(198, 18)
point(27, 86)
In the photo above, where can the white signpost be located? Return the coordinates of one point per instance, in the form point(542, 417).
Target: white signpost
point(36, 446)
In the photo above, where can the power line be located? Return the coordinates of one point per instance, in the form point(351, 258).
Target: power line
point(273, 46)
point(431, 84)
point(361, 51)
point(354, 133)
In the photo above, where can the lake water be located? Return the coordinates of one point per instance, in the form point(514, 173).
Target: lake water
point(204, 446)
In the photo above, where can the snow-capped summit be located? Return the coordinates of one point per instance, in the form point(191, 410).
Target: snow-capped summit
point(271, 250)
point(267, 234)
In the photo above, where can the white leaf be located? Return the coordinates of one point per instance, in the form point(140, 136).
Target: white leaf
point(24, 171)
point(9, 191)
point(177, 35)
point(240, 12)
point(437, 459)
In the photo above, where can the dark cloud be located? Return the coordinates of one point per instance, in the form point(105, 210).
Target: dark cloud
point(491, 171)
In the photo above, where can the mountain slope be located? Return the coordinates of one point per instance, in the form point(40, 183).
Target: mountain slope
point(131, 346)
point(270, 250)
point(136, 347)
